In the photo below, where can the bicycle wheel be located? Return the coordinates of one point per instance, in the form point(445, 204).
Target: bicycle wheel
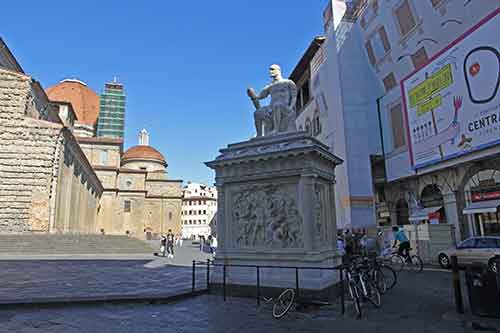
point(372, 293)
point(379, 280)
point(415, 264)
point(390, 276)
point(396, 262)
point(283, 303)
point(354, 293)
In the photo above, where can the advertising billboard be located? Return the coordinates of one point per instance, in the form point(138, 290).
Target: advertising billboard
point(452, 104)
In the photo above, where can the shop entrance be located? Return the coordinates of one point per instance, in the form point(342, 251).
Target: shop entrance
point(482, 192)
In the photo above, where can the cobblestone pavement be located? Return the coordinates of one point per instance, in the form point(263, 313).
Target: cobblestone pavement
point(25, 279)
point(419, 303)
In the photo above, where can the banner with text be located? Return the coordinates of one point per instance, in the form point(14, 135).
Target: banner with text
point(452, 104)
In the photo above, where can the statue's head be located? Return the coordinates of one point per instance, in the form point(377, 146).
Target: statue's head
point(275, 71)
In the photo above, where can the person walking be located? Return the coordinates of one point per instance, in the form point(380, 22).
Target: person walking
point(214, 245)
point(163, 245)
point(170, 243)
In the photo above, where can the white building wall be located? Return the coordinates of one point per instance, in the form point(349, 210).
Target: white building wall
point(199, 205)
point(436, 28)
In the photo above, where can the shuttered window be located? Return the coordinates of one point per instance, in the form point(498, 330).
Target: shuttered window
point(384, 38)
point(419, 58)
point(405, 18)
point(389, 82)
point(369, 50)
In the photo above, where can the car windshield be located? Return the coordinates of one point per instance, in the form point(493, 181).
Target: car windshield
point(468, 243)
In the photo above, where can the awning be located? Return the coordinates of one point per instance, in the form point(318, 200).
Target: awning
point(489, 206)
point(421, 214)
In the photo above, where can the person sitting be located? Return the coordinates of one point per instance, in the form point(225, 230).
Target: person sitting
point(404, 243)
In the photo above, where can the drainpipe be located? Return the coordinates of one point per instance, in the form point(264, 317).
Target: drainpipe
point(380, 126)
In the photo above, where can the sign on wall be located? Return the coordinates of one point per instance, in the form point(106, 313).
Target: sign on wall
point(452, 104)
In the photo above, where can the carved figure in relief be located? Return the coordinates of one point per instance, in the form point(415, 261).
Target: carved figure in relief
point(267, 216)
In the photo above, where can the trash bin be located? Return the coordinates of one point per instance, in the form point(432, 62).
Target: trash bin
point(484, 290)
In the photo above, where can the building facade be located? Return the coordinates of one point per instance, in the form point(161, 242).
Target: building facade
point(46, 183)
point(340, 111)
point(112, 111)
point(138, 199)
point(417, 87)
point(199, 208)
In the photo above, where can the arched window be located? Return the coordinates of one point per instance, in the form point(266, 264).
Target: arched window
point(402, 212)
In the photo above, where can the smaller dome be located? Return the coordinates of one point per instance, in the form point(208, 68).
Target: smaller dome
point(142, 152)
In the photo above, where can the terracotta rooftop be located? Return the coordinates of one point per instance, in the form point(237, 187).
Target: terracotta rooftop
point(143, 152)
point(84, 100)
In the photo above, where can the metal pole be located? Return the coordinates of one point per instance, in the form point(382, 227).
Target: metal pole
point(297, 282)
point(258, 286)
point(459, 304)
point(224, 282)
point(193, 277)
point(342, 291)
point(208, 275)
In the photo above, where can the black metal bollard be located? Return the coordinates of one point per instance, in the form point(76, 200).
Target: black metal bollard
point(459, 304)
point(193, 277)
point(208, 275)
point(297, 282)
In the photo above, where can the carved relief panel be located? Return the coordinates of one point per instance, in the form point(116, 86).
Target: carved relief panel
point(266, 215)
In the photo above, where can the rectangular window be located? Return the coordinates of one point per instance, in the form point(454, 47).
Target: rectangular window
point(405, 18)
point(389, 82)
point(397, 125)
point(419, 58)
point(369, 51)
point(127, 207)
point(103, 158)
point(385, 39)
point(435, 3)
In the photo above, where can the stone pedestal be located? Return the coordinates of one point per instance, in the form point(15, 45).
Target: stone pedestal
point(276, 207)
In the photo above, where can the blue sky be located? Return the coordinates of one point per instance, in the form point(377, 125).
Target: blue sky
point(185, 64)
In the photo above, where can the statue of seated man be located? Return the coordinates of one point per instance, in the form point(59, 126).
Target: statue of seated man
point(279, 116)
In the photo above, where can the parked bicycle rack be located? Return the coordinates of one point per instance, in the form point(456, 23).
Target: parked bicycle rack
point(209, 263)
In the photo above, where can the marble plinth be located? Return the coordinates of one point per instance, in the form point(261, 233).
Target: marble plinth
point(276, 207)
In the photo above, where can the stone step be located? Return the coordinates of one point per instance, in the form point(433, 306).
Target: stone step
point(71, 244)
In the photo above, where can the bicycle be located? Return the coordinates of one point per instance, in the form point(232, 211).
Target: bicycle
point(382, 275)
point(412, 262)
point(283, 303)
point(361, 286)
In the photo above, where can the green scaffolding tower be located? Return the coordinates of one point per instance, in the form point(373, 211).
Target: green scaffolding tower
point(111, 121)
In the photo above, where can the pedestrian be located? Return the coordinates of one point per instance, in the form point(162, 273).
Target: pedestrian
point(170, 243)
point(348, 243)
point(214, 245)
point(340, 243)
point(163, 245)
point(202, 242)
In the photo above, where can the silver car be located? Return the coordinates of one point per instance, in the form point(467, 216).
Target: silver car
point(473, 250)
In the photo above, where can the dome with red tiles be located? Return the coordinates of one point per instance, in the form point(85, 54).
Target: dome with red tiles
point(143, 152)
point(84, 100)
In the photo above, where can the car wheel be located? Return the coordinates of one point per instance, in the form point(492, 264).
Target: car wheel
point(493, 265)
point(444, 261)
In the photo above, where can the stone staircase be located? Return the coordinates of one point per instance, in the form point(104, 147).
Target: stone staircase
point(48, 244)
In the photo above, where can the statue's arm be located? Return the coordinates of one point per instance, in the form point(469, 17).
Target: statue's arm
point(264, 93)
